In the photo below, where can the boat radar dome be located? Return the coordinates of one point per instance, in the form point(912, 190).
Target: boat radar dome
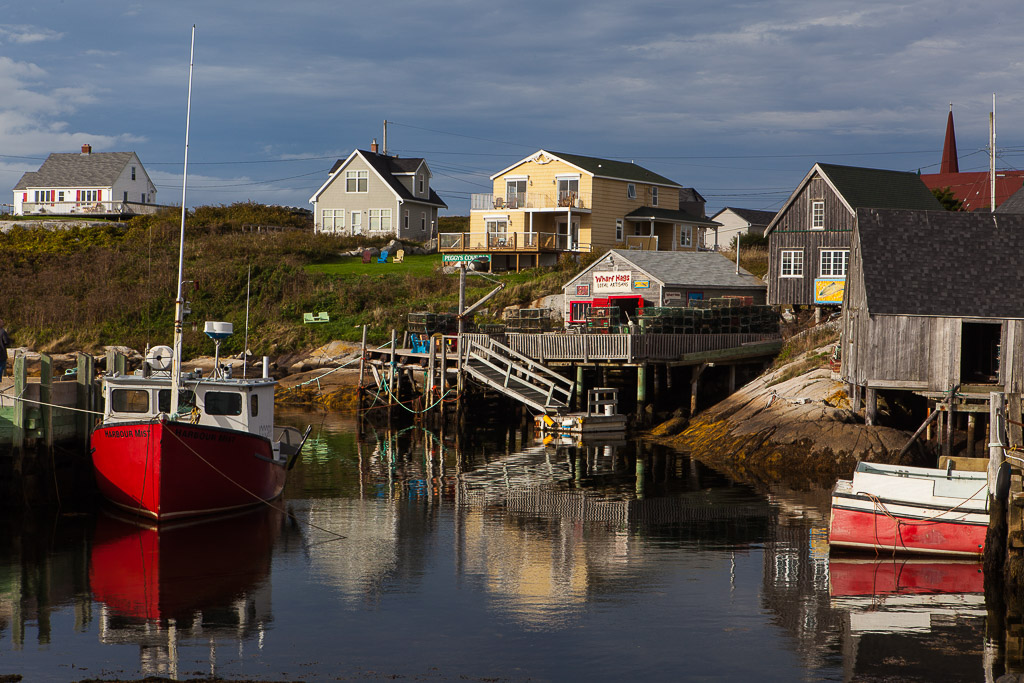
point(217, 330)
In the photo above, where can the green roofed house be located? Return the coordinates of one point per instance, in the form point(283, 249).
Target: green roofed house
point(809, 239)
point(552, 203)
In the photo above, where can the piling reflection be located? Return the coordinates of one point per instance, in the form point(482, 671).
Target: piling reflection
point(530, 538)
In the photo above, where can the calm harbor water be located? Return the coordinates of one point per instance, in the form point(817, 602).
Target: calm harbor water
point(497, 558)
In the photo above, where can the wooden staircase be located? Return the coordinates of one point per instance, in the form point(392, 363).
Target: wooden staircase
point(499, 367)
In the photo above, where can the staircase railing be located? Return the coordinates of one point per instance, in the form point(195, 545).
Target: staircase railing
point(517, 375)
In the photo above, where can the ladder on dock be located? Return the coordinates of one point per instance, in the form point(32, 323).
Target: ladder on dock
point(513, 374)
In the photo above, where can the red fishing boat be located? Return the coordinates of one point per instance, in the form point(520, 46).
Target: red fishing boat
point(175, 444)
point(911, 509)
point(219, 451)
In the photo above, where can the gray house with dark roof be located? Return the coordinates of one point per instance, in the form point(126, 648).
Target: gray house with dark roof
point(633, 279)
point(102, 183)
point(809, 239)
point(376, 195)
point(933, 299)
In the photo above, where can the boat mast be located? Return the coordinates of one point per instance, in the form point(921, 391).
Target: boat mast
point(179, 301)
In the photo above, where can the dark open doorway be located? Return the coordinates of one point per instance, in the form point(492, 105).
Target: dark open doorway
point(979, 353)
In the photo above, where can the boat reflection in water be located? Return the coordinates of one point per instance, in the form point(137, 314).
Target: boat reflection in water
point(902, 613)
point(196, 582)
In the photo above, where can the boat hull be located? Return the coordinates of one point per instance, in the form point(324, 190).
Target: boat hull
point(865, 523)
point(166, 470)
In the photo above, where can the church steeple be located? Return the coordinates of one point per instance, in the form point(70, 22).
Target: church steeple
point(949, 161)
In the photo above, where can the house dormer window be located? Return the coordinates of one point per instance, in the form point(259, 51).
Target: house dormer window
point(654, 196)
point(818, 214)
point(419, 180)
point(356, 181)
point(631, 191)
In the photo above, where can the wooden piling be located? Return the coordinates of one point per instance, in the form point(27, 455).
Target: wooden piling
point(20, 409)
point(392, 374)
point(871, 406)
point(46, 398)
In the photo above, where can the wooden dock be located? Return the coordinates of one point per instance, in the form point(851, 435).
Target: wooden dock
point(548, 371)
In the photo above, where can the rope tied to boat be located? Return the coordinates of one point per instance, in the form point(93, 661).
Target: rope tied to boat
point(338, 537)
point(900, 523)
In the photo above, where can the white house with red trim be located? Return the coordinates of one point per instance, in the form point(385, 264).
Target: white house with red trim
point(103, 183)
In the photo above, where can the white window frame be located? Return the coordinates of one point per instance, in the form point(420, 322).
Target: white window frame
point(791, 263)
point(357, 222)
point(496, 225)
point(818, 214)
point(423, 221)
point(620, 229)
point(631, 191)
point(380, 220)
point(419, 181)
point(332, 220)
point(834, 263)
point(686, 236)
point(405, 220)
point(654, 196)
point(357, 181)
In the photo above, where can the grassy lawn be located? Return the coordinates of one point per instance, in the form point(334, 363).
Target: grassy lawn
point(353, 265)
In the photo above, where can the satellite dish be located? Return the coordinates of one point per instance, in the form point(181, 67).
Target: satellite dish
point(159, 357)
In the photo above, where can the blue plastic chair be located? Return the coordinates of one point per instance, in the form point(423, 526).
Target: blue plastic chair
point(383, 256)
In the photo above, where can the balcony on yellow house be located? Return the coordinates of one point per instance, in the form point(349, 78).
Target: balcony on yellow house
point(534, 201)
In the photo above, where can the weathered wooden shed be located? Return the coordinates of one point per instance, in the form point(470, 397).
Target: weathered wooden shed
point(934, 299)
point(637, 279)
point(809, 239)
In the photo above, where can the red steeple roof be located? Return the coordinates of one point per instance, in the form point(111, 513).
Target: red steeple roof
point(949, 162)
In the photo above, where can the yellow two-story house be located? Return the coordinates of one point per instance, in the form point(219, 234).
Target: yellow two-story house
point(551, 203)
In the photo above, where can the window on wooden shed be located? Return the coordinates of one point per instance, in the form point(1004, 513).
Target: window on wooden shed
point(834, 262)
point(817, 215)
point(792, 261)
point(578, 311)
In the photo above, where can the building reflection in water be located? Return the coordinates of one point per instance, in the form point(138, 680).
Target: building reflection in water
point(539, 527)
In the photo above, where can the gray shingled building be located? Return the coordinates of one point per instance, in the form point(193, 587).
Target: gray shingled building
point(634, 279)
point(933, 300)
point(103, 183)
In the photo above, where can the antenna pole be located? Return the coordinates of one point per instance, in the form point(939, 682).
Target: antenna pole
point(385, 149)
point(992, 154)
point(245, 349)
point(179, 301)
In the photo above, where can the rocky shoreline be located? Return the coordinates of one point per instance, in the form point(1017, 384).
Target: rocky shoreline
point(799, 430)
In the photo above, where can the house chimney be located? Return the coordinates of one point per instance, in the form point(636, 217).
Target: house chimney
point(373, 146)
point(86, 149)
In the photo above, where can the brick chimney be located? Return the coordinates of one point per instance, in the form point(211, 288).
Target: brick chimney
point(373, 146)
point(86, 149)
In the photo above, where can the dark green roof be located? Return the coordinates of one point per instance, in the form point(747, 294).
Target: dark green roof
point(620, 170)
point(874, 188)
point(654, 213)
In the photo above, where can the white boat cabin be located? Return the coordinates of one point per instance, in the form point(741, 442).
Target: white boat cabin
point(241, 404)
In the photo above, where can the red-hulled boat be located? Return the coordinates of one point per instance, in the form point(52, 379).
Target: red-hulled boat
point(176, 444)
point(220, 451)
point(911, 509)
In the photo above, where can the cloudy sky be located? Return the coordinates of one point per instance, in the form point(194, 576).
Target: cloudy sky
point(736, 99)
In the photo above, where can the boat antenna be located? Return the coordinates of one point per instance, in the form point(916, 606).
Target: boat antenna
point(179, 301)
point(245, 348)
